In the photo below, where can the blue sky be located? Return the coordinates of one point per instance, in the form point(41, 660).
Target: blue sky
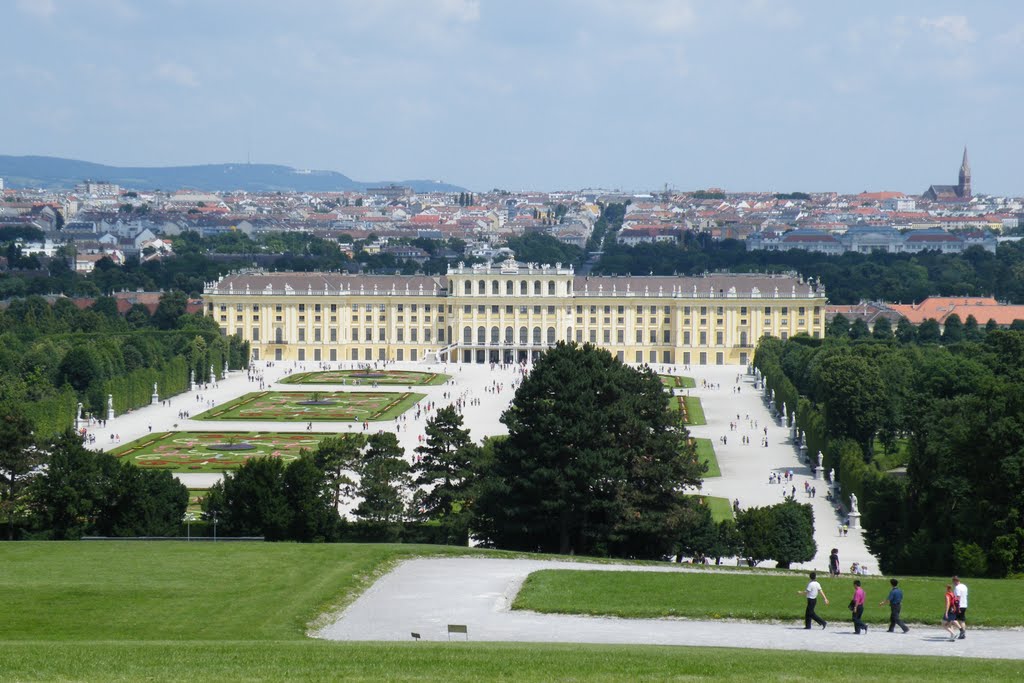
point(529, 94)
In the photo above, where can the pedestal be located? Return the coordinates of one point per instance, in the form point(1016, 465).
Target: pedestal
point(854, 520)
point(803, 452)
point(817, 472)
point(154, 399)
point(110, 413)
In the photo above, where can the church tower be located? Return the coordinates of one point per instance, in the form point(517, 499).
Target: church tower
point(963, 190)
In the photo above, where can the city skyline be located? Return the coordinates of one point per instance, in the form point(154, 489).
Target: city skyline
point(746, 96)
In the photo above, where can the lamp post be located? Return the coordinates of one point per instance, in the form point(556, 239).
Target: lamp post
point(214, 515)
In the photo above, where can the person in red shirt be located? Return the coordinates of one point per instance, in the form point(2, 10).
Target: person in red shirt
point(857, 607)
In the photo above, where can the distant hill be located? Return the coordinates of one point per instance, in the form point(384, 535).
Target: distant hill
point(58, 173)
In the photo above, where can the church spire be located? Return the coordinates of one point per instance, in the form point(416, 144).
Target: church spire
point(963, 189)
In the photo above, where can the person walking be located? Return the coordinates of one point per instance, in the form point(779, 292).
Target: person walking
point(949, 613)
point(812, 591)
point(960, 591)
point(833, 562)
point(895, 602)
point(857, 608)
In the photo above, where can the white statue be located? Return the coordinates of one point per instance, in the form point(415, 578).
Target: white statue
point(832, 475)
point(154, 388)
point(79, 418)
point(820, 459)
point(853, 503)
point(110, 402)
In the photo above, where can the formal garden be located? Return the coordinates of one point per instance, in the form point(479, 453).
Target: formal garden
point(213, 451)
point(369, 377)
point(314, 406)
point(691, 409)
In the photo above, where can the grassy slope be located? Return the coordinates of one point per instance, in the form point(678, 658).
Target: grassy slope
point(112, 611)
point(754, 596)
point(694, 411)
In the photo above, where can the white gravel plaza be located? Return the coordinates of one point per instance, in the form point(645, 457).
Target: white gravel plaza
point(425, 596)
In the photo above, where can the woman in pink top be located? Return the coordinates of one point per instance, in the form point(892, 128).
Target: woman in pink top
point(857, 607)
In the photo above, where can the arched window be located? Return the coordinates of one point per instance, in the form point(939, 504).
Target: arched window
point(524, 336)
point(508, 335)
point(481, 287)
point(278, 335)
point(522, 288)
point(494, 335)
point(568, 334)
point(536, 287)
point(481, 335)
point(551, 287)
point(551, 335)
point(743, 338)
point(469, 287)
point(509, 288)
point(467, 334)
point(494, 287)
point(536, 336)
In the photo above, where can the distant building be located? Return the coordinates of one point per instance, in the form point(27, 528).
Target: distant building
point(866, 239)
point(98, 188)
point(961, 192)
point(391, 192)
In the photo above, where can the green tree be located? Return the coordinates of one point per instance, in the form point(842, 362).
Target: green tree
point(953, 330)
point(852, 392)
point(383, 482)
point(314, 517)
point(142, 503)
point(251, 501)
point(171, 307)
point(882, 329)
point(839, 326)
point(19, 456)
point(929, 332)
point(336, 456)
point(447, 461)
point(859, 329)
point(594, 463)
point(793, 538)
point(905, 331)
point(68, 496)
point(79, 368)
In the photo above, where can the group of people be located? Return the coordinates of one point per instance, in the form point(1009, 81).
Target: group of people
point(954, 615)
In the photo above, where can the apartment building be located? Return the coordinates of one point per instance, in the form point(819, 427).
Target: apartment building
point(511, 312)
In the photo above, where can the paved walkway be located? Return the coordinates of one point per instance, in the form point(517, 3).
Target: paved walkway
point(424, 596)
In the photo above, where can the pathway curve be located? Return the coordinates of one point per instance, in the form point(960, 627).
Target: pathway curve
point(424, 596)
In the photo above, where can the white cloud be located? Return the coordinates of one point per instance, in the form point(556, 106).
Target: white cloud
point(42, 9)
point(952, 27)
point(177, 74)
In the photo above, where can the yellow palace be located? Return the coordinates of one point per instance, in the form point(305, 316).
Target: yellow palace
point(510, 312)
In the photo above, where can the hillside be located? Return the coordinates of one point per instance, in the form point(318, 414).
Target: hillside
point(58, 173)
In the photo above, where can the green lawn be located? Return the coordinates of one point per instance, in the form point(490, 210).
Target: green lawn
point(305, 406)
point(368, 377)
point(127, 611)
point(214, 451)
point(694, 411)
point(228, 660)
point(706, 453)
point(757, 596)
point(677, 382)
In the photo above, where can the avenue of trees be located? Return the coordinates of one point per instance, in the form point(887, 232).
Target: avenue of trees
point(54, 356)
point(926, 429)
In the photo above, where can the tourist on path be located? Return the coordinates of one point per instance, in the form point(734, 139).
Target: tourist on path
point(833, 562)
point(960, 591)
point(949, 613)
point(895, 602)
point(812, 591)
point(857, 608)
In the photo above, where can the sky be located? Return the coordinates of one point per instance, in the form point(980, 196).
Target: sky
point(769, 95)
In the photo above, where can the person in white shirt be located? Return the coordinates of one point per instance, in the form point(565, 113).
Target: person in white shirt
point(960, 591)
point(812, 591)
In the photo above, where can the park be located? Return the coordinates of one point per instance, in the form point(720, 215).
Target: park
point(299, 406)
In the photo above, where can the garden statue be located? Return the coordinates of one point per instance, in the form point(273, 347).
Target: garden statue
point(853, 503)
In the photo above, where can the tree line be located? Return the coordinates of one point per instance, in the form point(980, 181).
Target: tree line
point(927, 432)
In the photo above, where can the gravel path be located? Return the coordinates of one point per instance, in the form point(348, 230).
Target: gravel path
point(424, 596)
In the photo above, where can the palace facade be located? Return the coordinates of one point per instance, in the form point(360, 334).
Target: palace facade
point(511, 312)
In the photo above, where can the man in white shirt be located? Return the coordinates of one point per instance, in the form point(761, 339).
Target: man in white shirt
point(812, 591)
point(960, 591)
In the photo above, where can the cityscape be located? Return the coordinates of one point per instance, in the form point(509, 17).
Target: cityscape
point(457, 340)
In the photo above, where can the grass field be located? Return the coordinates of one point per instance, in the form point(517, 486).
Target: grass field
point(368, 377)
point(677, 382)
point(706, 453)
point(757, 596)
point(690, 407)
point(128, 611)
point(309, 406)
point(213, 451)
